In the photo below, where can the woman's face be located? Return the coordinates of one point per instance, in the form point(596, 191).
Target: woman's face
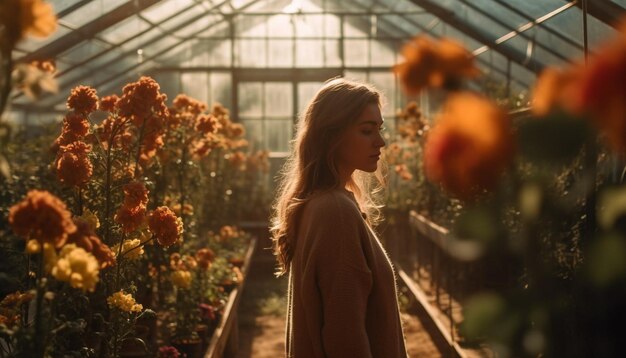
point(360, 145)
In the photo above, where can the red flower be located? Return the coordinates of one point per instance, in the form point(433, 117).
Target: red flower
point(73, 165)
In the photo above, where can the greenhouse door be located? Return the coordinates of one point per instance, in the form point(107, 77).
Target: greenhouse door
point(268, 105)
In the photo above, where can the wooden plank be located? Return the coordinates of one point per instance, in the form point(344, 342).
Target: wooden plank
point(228, 325)
point(438, 330)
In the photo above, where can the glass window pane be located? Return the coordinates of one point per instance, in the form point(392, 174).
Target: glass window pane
point(280, 26)
point(309, 25)
point(356, 53)
point(196, 85)
point(162, 11)
point(254, 133)
point(169, 82)
point(251, 53)
point(250, 97)
point(91, 11)
point(278, 134)
point(383, 53)
point(278, 99)
point(332, 26)
point(280, 53)
point(309, 53)
point(124, 29)
point(306, 91)
point(332, 56)
point(251, 26)
point(220, 88)
point(355, 26)
point(385, 82)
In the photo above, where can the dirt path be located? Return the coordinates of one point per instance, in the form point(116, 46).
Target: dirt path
point(262, 316)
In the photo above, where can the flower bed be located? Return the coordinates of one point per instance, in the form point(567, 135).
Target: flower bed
point(114, 247)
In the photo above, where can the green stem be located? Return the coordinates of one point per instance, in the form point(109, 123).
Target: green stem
point(139, 144)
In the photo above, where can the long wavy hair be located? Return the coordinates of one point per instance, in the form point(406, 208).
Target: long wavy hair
point(312, 168)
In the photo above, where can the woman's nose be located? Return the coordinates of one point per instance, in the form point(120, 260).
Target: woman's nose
point(380, 141)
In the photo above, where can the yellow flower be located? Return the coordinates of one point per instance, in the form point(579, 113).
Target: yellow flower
point(130, 249)
point(78, 267)
point(124, 302)
point(33, 247)
point(181, 279)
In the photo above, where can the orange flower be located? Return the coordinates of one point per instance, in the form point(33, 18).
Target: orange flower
point(135, 194)
point(469, 147)
point(430, 63)
point(130, 218)
point(83, 100)
point(108, 103)
point(26, 17)
point(205, 257)
point(235, 130)
point(142, 100)
point(86, 238)
point(42, 216)
point(207, 124)
point(555, 88)
point(184, 103)
point(165, 226)
point(73, 165)
point(76, 124)
point(602, 92)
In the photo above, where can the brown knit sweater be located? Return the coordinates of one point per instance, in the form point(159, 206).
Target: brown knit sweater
point(342, 294)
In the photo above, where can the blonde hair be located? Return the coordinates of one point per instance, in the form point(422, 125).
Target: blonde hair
point(311, 167)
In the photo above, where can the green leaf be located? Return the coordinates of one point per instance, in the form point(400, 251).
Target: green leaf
point(554, 140)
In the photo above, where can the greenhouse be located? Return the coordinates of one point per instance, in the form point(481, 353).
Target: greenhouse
point(312, 178)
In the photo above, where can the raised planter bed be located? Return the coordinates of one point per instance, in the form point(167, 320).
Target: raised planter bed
point(224, 341)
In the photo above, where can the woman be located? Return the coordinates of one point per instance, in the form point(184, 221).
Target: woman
point(342, 295)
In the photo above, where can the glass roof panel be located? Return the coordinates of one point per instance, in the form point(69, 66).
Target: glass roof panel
point(124, 30)
point(60, 5)
point(91, 11)
point(199, 25)
point(621, 3)
point(31, 44)
point(163, 10)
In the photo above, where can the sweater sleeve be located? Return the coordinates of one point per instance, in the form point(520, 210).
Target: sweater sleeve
point(343, 278)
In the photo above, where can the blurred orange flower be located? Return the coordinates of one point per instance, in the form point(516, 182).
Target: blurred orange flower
point(433, 63)
point(469, 147)
point(205, 257)
point(403, 171)
point(165, 226)
point(183, 102)
point(207, 124)
point(42, 216)
point(602, 92)
point(26, 17)
point(83, 100)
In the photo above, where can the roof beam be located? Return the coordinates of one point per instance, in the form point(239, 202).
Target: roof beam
point(88, 30)
point(605, 11)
